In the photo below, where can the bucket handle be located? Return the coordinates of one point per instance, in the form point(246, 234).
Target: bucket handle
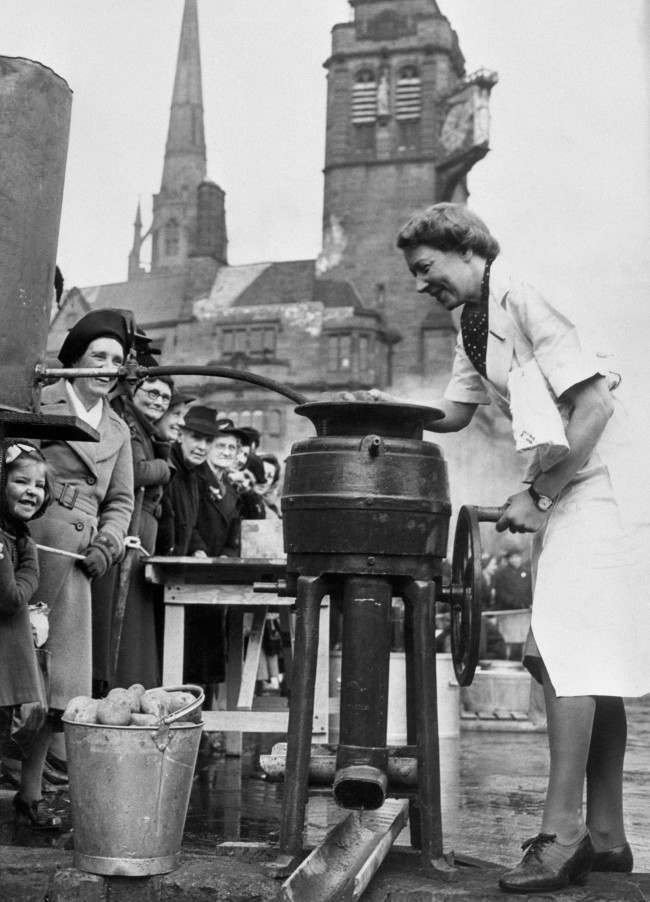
point(187, 709)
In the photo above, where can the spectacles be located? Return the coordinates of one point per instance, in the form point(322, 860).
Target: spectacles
point(230, 449)
point(154, 395)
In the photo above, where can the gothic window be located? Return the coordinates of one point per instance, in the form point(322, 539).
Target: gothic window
point(172, 238)
point(364, 110)
point(408, 108)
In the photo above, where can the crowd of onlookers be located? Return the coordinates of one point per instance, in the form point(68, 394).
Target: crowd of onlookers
point(168, 476)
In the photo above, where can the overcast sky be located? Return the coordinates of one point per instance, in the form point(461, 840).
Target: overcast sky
point(565, 188)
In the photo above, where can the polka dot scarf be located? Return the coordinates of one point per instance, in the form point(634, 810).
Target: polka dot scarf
point(474, 325)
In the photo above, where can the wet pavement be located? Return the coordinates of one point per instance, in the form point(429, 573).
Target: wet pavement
point(492, 792)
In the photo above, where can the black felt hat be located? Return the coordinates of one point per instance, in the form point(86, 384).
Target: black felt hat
point(106, 323)
point(205, 421)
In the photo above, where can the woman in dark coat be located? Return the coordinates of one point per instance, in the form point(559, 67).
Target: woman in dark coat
point(218, 525)
point(139, 659)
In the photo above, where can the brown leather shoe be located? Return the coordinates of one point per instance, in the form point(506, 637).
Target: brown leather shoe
point(542, 868)
point(620, 860)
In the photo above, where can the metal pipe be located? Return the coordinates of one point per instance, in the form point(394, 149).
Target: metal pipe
point(133, 373)
point(362, 757)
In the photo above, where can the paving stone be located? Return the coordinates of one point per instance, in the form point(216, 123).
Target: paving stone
point(71, 885)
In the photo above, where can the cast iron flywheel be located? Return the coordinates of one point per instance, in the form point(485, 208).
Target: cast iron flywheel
point(466, 590)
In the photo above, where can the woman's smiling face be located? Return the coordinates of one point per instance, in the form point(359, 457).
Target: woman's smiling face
point(101, 353)
point(448, 276)
point(152, 399)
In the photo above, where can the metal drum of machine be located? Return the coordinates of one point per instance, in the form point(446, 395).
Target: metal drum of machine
point(366, 517)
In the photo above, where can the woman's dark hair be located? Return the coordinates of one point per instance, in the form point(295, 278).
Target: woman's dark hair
point(12, 451)
point(275, 463)
point(449, 227)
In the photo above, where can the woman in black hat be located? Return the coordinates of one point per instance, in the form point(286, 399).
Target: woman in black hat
point(92, 498)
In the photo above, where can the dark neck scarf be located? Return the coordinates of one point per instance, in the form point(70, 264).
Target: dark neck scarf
point(474, 325)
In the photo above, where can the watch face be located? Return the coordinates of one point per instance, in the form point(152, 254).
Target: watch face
point(544, 503)
point(456, 125)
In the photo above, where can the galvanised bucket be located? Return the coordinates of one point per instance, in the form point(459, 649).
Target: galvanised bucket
point(130, 790)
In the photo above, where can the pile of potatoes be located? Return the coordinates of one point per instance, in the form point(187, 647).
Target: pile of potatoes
point(132, 707)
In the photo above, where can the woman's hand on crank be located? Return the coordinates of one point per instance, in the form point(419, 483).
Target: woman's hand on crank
point(521, 514)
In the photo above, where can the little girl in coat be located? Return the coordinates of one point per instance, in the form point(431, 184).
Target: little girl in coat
point(24, 495)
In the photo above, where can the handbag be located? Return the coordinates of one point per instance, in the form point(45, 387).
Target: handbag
point(536, 421)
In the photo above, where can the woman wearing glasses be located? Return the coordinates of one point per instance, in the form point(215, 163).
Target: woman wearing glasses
point(138, 660)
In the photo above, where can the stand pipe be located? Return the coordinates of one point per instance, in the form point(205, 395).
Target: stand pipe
point(131, 373)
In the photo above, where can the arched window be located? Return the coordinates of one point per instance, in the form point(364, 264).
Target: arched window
point(172, 238)
point(364, 97)
point(408, 94)
point(258, 420)
point(244, 418)
point(364, 110)
point(408, 108)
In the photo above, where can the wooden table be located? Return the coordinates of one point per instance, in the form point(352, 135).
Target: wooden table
point(228, 582)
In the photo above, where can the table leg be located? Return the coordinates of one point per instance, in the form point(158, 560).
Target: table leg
point(173, 644)
point(320, 725)
point(235, 617)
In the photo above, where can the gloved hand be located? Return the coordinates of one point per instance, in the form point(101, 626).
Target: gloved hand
point(95, 563)
point(100, 554)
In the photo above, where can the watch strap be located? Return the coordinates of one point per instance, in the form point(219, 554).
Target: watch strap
point(542, 502)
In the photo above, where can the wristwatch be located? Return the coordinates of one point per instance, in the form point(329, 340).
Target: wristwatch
point(542, 502)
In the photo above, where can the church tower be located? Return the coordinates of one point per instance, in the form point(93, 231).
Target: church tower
point(188, 211)
point(404, 126)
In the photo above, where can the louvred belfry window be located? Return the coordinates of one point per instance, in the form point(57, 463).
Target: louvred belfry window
point(364, 98)
point(408, 94)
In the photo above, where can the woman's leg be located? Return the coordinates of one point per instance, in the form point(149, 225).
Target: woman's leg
point(570, 722)
point(32, 769)
point(605, 774)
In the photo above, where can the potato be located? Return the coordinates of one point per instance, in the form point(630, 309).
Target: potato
point(87, 713)
point(119, 695)
point(136, 691)
point(178, 700)
point(113, 713)
point(156, 704)
point(143, 720)
point(74, 705)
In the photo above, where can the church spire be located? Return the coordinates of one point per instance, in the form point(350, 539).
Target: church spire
point(185, 149)
point(175, 206)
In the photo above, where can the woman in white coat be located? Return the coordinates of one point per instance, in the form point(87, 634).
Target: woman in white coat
point(585, 656)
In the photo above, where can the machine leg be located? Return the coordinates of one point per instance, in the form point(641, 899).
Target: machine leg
point(411, 717)
point(420, 595)
point(311, 590)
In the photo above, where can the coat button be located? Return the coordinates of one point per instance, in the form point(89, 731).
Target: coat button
point(91, 480)
point(78, 526)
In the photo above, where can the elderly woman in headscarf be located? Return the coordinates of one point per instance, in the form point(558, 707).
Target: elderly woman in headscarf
point(92, 498)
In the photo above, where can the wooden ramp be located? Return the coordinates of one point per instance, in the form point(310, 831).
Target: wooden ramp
point(340, 869)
